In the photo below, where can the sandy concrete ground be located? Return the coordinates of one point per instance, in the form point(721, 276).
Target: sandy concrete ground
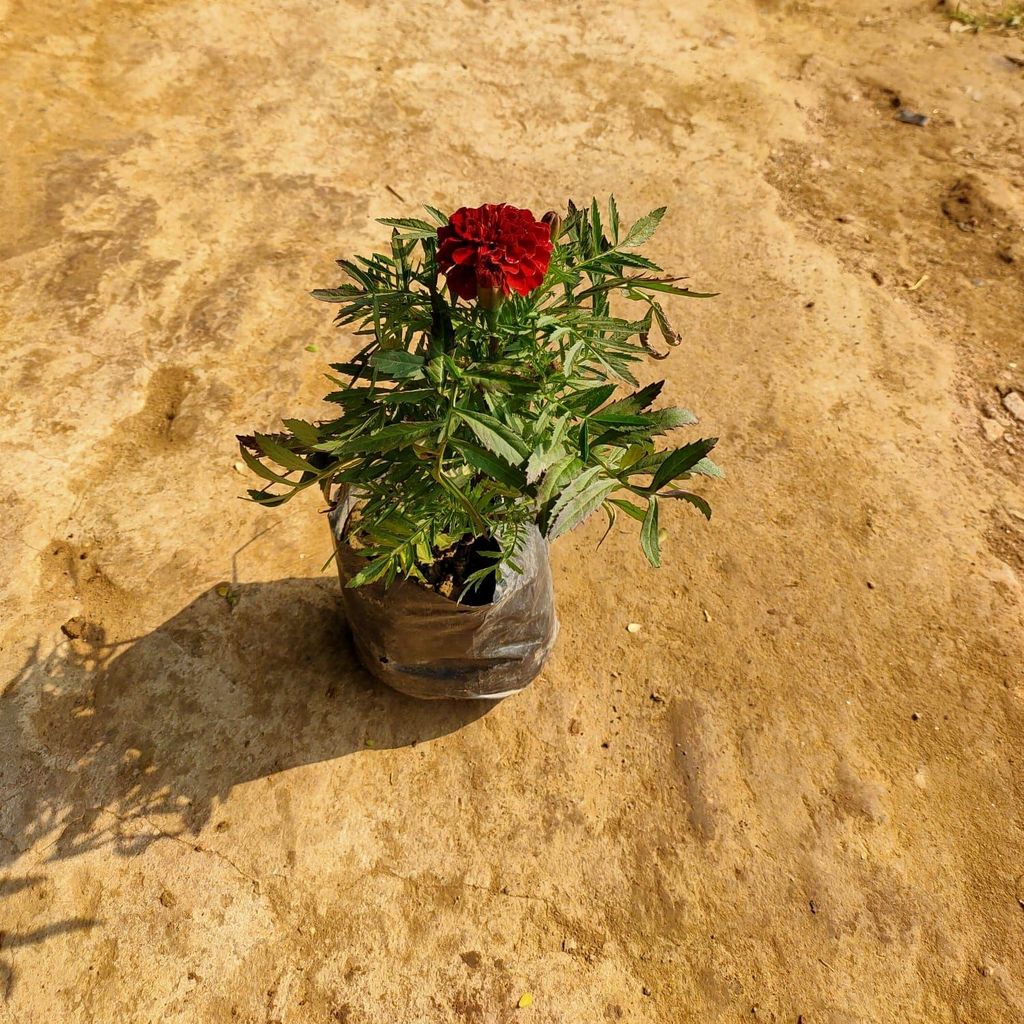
point(795, 795)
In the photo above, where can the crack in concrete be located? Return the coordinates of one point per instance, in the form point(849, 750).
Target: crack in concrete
point(194, 847)
point(473, 887)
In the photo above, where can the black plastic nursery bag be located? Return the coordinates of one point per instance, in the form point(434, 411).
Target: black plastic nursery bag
point(429, 646)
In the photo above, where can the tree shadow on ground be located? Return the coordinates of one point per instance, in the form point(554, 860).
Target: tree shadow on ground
point(103, 741)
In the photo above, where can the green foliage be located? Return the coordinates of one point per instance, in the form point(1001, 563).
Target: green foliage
point(452, 420)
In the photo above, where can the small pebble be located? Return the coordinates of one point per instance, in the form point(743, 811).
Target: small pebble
point(633, 627)
point(1014, 404)
point(74, 628)
point(239, 467)
point(992, 429)
point(78, 628)
point(911, 117)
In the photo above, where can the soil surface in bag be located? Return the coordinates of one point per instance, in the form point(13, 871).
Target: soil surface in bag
point(430, 646)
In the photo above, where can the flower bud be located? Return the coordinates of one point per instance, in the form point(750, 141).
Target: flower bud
point(554, 223)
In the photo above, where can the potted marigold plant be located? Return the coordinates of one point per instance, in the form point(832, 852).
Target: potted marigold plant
point(479, 422)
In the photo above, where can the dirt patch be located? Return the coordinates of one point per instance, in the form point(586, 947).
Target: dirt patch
point(448, 574)
point(1005, 537)
point(966, 207)
point(792, 793)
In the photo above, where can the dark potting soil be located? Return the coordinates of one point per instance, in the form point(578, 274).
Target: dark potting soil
point(451, 568)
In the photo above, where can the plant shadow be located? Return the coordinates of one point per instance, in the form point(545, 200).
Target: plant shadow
point(102, 739)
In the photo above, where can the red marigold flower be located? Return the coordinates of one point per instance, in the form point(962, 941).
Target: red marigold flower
point(493, 247)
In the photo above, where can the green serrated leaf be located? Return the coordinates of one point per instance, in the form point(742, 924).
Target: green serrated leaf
point(260, 470)
point(648, 285)
point(635, 260)
point(694, 499)
point(649, 539)
point(578, 481)
point(613, 220)
point(553, 477)
point(280, 454)
point(586, 401)
point(542, 460)
point(642, 230)
point(413, 228)
point(705, 467)
point(584, 441)
point(620, 420)
point(387, 439)
point(495, 381)
point(404, 396)
point(348, 397)
point(397, 363)
point(485, 461)
point(595, 224)
point(303, 431)
point(629, 508)
point(494, 435)
point(268, 500)
point(376, 570)
point(681, 461)
point(579, 500)
point(636, 402)
point(663, 420)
